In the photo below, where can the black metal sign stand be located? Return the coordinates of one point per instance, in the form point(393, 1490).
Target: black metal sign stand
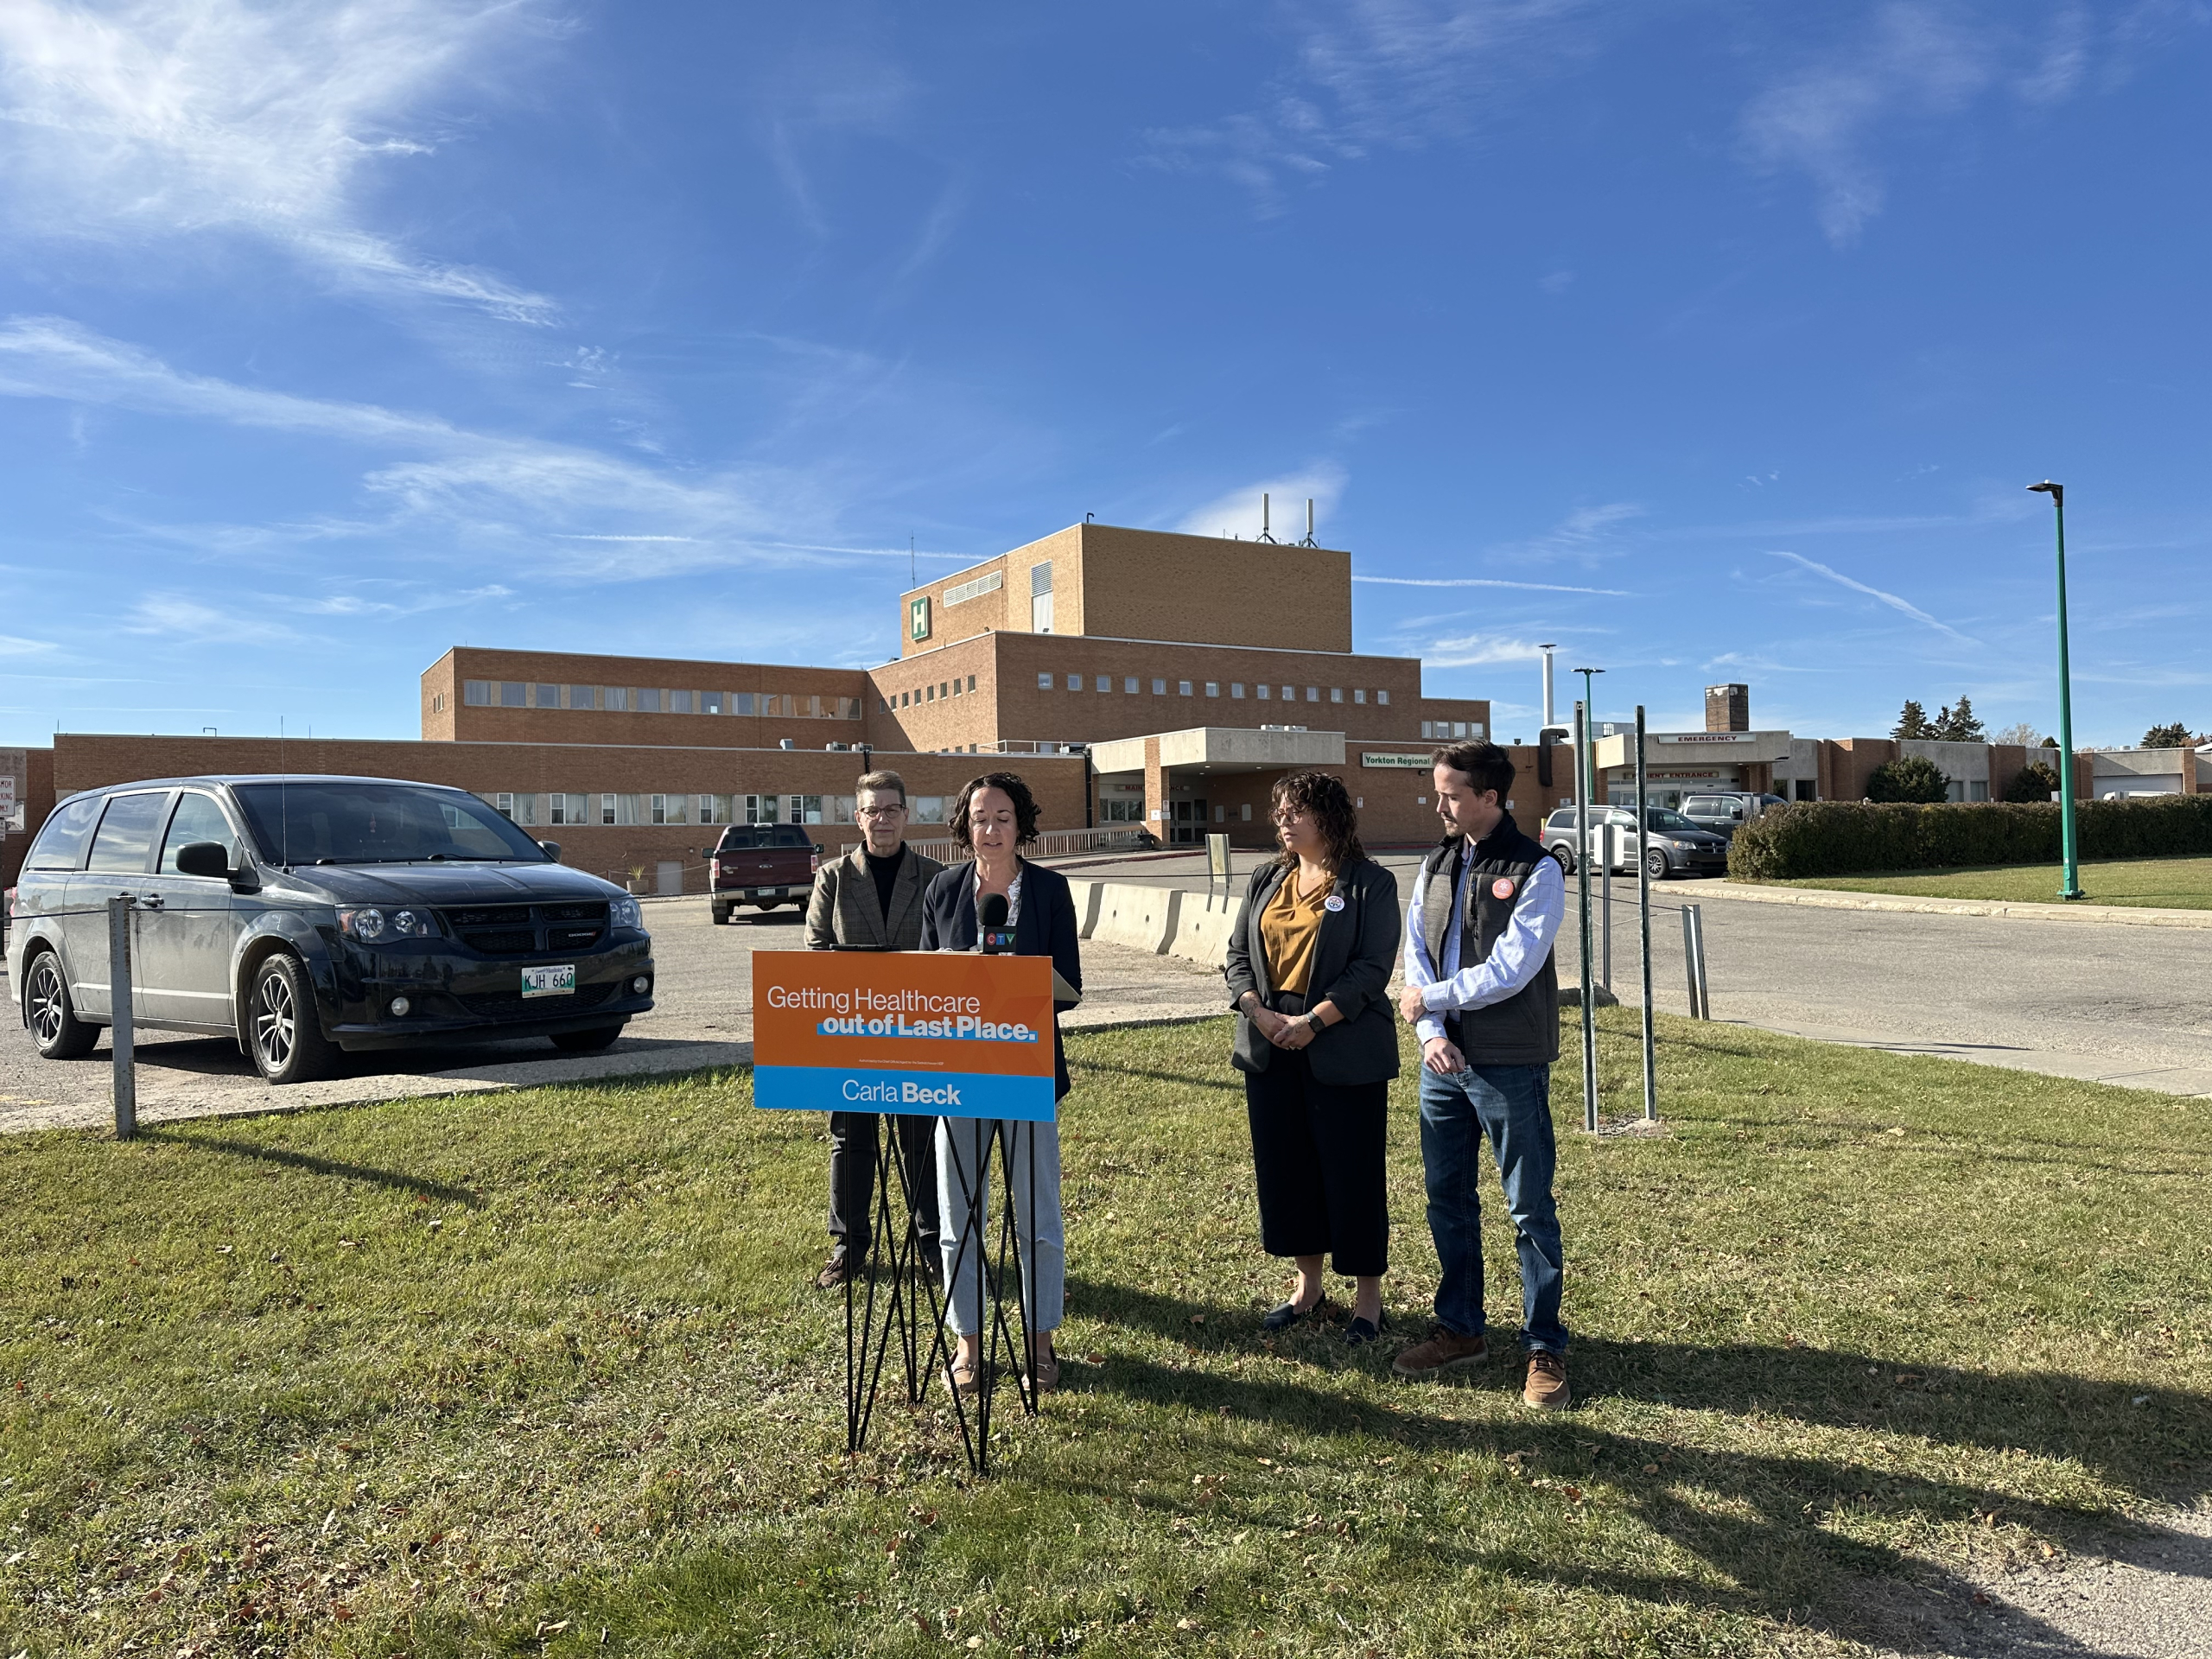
point(875, 1325)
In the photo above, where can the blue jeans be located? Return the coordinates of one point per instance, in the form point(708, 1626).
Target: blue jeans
point(1509, 1106)
point(1032, 1153)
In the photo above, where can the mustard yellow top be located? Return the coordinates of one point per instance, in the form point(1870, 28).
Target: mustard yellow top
point(1290, 927)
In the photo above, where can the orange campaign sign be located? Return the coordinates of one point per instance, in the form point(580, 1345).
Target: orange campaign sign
point(928, 1033)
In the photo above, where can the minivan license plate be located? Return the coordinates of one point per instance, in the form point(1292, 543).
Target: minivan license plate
point(550, 981)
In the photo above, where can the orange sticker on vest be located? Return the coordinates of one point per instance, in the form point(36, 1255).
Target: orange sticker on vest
point(1502, 888)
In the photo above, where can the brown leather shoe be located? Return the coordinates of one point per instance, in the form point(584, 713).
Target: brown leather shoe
point(1048, 1367)
point(1445, 1350)
point(834, 1271)
point(966, 1376)
point(1546, 1388)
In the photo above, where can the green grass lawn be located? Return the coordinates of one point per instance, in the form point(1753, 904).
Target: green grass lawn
point(544, 1373)
point(2167, 883)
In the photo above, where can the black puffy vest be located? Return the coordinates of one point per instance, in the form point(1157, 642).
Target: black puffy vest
point(1522, 1030)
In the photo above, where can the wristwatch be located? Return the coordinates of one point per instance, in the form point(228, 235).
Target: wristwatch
point(1312, 1023)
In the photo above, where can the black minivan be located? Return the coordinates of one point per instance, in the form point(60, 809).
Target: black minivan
point(305, 915)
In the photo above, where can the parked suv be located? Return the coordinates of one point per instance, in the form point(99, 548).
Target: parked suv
point(1672, 843)
point(764, 865)
point(307, 915)
point(1727, 810)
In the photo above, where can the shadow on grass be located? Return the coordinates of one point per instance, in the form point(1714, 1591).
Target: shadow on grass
point(315, 1166)
point(1774, 1530)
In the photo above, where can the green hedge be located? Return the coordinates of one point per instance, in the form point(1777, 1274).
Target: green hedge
point(1811, 838)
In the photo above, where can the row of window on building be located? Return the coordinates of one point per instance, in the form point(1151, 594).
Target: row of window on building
point(1133, 685)
point(1452, 729)
point(652, 700)
point(936, 693)
point(559, 810)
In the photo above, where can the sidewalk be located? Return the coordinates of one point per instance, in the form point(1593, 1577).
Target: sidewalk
point(1841, 899)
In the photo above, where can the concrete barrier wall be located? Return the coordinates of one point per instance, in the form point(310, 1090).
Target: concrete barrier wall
point(1204, 925)
point(1141, 917)
point(1085, 894)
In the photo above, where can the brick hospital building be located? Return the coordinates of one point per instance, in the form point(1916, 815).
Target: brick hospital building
point(1132, 676)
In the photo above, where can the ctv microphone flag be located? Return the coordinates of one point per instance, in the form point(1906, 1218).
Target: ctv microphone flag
point(996, 939)
point(927, 1033)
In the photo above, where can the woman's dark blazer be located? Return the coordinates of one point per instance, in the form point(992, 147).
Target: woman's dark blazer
point(1352, 960)
point(1046, 927)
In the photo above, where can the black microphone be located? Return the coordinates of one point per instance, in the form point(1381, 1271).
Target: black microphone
point(990, 917)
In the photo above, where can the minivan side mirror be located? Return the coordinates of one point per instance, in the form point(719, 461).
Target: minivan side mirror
point(552, 849)
point(204, 858)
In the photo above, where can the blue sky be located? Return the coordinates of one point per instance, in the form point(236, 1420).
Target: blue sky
point(333, 334)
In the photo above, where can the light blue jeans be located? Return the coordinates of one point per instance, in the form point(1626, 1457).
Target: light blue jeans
point(1032, 1153)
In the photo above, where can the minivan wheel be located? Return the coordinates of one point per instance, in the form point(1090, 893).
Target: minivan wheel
point(1566, 858)
point(1654, 865)
point(285, 1037)
point(56, 1028)
point(585, 1042)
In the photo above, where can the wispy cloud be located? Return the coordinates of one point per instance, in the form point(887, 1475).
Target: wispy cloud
point(1489, 582)
point(1919, 61)
point(176, 616)
point(1236, 512)
point(1904, 606)
point(1583, 533)
point(1916, 61)
point(493, 488)
point(160, 117)
point(1375, 74)
point(1475, 650)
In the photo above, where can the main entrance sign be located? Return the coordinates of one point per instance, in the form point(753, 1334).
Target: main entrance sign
point(923, 1032)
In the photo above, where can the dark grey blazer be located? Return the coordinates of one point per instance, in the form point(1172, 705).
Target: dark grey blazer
point(844, 910)
point(1352, 962)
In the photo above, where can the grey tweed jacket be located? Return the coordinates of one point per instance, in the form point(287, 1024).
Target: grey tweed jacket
point(844, 909)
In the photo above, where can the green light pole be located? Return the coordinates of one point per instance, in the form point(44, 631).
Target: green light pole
point(1590, 702)
point(2072, 888)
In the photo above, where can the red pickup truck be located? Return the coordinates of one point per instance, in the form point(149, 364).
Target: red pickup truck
point(763, 865)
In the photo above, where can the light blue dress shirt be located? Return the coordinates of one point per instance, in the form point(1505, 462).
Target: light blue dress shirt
point(1447, 988)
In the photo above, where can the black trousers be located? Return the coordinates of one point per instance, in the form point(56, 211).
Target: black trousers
point(1317, 1149)
point(853, 1141)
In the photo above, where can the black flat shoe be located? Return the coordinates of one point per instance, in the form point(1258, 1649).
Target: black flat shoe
point(1361, 1331)
point(1290, 1313)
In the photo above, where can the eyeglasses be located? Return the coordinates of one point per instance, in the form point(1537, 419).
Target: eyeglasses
point(880, 812)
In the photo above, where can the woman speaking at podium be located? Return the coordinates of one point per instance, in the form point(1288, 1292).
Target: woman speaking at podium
point(994, 817)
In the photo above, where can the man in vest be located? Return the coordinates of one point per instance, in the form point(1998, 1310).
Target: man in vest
point(1483, 994)
point(871, 900)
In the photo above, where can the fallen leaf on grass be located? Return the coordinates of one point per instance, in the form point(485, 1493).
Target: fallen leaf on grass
point(545, 1629)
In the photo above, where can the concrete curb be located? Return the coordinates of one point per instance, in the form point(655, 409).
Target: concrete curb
point(1819, 898)
point(1142, 918)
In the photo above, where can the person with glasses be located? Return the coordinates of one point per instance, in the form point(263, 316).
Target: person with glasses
point(1307, 966)
point(871, 899)
point(995, 817)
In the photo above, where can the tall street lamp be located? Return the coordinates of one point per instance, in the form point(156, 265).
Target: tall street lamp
point(2072, 888)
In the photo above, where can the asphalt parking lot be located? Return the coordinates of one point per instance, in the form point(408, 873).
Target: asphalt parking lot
point(701, 1017)
point(2101, 1002)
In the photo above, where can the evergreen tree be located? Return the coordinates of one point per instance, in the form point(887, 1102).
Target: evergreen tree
point(1960, 725)
point(1912, 778)
point(1913, 721)
point(2173, 736)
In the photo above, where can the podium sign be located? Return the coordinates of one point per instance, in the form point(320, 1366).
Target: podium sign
point(925, 1032)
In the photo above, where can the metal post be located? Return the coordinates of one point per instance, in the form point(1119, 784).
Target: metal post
point(1610, 841)
point(1703, 978)
point(119, 1034)
point(1582, 893)
point(1643, 927)
point(1690, 953)
point(2072, 888)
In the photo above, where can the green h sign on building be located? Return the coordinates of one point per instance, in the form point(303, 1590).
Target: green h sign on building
point(918, 617)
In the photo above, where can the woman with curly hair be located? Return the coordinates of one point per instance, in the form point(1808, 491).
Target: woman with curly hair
point(993, 817)
point(1317, 1046)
